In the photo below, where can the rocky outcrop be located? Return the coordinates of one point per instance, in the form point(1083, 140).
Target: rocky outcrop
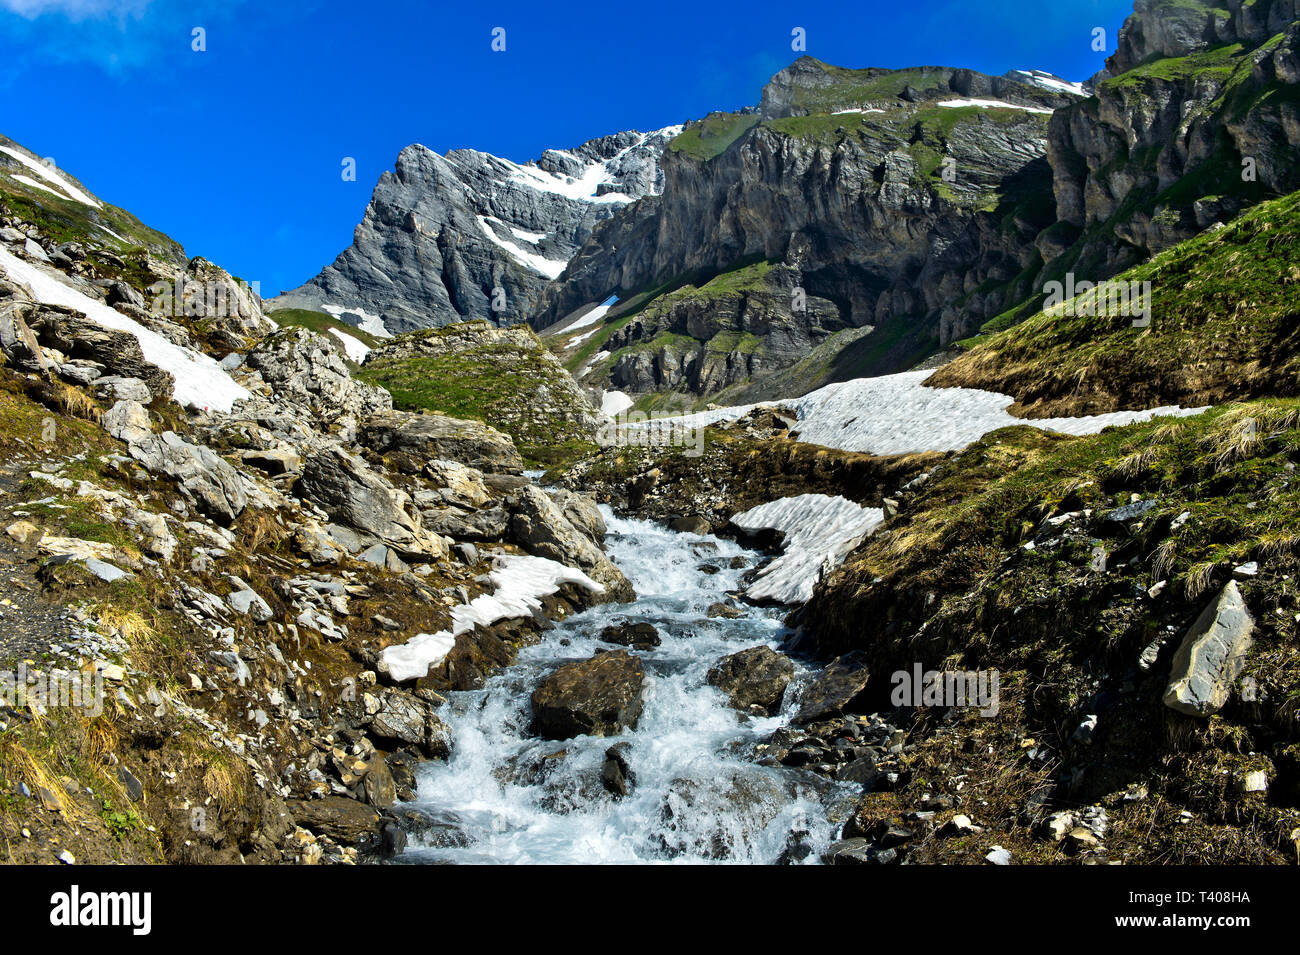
point(410, 441)
point(1211, 656)
point(753, 679)
point(596, 697)
point(308, 370)
point(1181, 133)
point(841, 176)
point(355, 496)
point(198, 471)
point(539, 525)
point(470, 235)
point(505, 376)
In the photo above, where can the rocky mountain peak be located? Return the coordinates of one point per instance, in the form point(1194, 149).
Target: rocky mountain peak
point(469, 235)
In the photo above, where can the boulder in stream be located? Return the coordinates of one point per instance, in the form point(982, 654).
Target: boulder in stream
point(596, 697)
point(756, 677)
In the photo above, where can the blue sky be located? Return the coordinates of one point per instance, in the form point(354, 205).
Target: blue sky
point(236, 151)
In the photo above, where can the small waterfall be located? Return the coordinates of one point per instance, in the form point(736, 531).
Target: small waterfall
point(505, 796)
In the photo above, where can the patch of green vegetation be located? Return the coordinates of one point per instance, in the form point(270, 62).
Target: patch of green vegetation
point(710, 137)
point(994, 566)
point(1222, 327)
point(494, 383)
point(64, 220)
point(1218, 62)
point(319, 322)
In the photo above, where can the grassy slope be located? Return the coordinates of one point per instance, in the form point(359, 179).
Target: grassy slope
point(950, 583)
point(496, 384)
point(319, 322)
point(1223, 326)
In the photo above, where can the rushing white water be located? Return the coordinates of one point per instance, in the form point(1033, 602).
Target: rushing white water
point(505, 796)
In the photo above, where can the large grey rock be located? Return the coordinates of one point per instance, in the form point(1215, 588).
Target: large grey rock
point(754, 677)
point(127, 421)
point(596, 697)
point(410, 441)
point(406, 720)
point(78, 337)
point(199, 472)
point(832, 690)
point(308, 370)
point(17, 340)
point(117, 388)
point(538, 525)
point(1211, 656)
point(352, 494)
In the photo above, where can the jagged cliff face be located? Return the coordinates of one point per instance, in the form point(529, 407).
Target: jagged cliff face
point(470, 235)
point(1192, 93)
point(885, 195)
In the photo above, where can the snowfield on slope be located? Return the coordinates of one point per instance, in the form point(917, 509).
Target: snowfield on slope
point(819, 530)
point(200, 381)
point(50, 174)
point(519, 584)
point(353, 347)
point(897, 414)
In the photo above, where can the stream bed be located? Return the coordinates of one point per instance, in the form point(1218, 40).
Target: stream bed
point(697, 795)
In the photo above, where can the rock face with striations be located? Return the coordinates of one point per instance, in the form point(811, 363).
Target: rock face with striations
point(880, 203)
point(1211, 656)
point(443, 233)
point(1189, 97)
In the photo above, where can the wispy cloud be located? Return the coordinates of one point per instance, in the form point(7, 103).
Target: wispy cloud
point(76, 10)
point(119, 37)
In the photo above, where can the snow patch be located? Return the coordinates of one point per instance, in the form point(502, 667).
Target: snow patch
point(992, 104)
point(1049, 81)
point(595, 315)
point(200, 381)
point(551, 268)
point(614, 402)
point(897, 414)
point(353, 347)
point(370, 324)
point(519, 583)
point(819, 530)
point(49, 175)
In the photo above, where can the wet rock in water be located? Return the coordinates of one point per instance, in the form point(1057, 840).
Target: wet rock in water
point(540, 526)
point(1212, 656)
point(638, 636)
point(832, 690)
point(862, 770)
point(693, 524)
point(596, 697)
point(615, 774)
point(756, 677)
point(857, 852)
point(725, 611)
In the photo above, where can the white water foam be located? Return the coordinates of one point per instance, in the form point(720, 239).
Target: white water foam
point(505, 796)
